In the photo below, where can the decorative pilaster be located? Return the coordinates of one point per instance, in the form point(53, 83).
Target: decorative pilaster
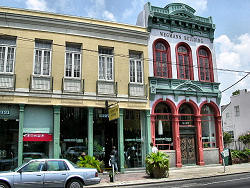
point(57, 111)
point(90, 132)
point(148, 132)
point(219, 135)
point(120, 141)
point(200, 160)
point(153, 129)
point(176, 137)
point(20, 134)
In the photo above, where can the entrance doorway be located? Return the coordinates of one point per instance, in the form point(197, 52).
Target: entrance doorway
point(188, 150)
point(105, 135)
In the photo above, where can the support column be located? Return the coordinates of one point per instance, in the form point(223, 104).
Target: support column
point(148, 132)
point(200, 156)
point(90, 132)
point(176, 137)
point(20, 134)
point(57, 111)
point(219, 136)
point(153, 129)
point(120, 141)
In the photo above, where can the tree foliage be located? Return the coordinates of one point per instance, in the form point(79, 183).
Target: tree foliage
point(227, 138)
point(245, 138)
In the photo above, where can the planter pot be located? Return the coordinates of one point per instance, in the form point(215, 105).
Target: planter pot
point(159, 173)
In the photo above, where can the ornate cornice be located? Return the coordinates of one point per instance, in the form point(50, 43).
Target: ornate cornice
point(187, 88)
point(178, 17)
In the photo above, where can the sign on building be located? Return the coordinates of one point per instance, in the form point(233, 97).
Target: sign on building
point(114, 112)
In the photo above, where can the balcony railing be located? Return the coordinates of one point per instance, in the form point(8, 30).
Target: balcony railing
point(137, 90)
point(72, 85)
point(41, 83)
point(7, 81)
point(106, 88)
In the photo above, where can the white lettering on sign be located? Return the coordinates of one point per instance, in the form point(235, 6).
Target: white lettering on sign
point(181, 37)
point(4, 112)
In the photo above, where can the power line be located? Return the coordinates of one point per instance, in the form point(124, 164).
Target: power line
point(235, 83)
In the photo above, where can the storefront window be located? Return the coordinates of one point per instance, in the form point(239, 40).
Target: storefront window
point(132, 139)
point(186, 115)
point(163, 127)
point(35, 150)
point(9, 144)
point(74, 133)
point(208, 127)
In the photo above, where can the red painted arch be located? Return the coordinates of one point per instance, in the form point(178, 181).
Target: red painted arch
point(169, 64)
point(213, 105)
point(209, 61)
point(168, 102)
point(192, 104)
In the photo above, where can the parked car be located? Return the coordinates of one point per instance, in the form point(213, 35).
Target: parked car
point(49, 173)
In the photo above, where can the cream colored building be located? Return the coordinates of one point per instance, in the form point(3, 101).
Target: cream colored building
point(56, 72)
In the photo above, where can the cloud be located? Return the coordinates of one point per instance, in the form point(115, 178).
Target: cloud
point(108, 16)
point(97, 9)
point(233, 54)
point(135, 6)
point(37, 5)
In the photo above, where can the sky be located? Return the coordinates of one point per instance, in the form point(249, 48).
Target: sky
point(232, 34)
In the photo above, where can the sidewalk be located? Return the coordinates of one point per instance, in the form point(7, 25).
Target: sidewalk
point(175, 174)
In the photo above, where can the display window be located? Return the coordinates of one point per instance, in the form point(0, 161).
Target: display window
point(73, 133)
point(9, 144)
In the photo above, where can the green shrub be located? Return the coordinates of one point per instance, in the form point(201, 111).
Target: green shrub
point(157, 164)
point(227, 138)
point(90, 162)
point(240, 156)
point(245, 138)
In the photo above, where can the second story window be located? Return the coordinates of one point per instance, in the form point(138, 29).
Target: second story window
point(237, 110)
point(162, 60)
point(184, 63)
point(135, 68)
point(205, 65)
point(42, 62)
point(73, 61)
point(7, 54)
point(106, 66)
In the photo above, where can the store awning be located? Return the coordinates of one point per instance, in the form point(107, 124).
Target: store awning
point(37, 137)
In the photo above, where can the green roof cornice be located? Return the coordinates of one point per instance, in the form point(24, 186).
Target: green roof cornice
point(178, 17)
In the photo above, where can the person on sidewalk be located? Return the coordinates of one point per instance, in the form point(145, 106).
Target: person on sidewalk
point(113, 158)
point(153, 148)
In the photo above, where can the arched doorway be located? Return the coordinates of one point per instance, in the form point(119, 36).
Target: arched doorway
point(187, 134)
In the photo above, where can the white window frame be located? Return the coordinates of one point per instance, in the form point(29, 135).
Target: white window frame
point(42, 59)
point(73, 63)
point(105, 74)
point(6, 46)
point(136, 70)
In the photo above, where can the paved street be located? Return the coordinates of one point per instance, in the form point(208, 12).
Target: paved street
point(229, 181)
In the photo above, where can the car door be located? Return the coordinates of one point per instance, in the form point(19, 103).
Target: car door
point(31, 175)
point(56, 174)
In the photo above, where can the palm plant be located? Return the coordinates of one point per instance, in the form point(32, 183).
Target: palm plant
point(157, 165)
point(90, 162)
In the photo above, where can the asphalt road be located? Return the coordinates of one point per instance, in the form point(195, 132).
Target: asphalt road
point(228, 181)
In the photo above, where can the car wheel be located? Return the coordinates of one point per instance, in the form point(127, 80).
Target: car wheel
point(3, 185)
point(74, 183)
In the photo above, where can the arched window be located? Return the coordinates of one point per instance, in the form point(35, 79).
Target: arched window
point(205, 65)
point(208, 127)
point(162, 60)
point(184, 62)
point(186, 117)
point(163, 127)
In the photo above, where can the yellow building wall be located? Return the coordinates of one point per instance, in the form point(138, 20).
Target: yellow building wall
point(25, 58)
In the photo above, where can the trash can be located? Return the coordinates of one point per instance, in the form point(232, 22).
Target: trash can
point(225, 156)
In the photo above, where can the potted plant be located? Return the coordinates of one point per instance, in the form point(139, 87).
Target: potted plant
point(157, 165)
point(90, 162)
